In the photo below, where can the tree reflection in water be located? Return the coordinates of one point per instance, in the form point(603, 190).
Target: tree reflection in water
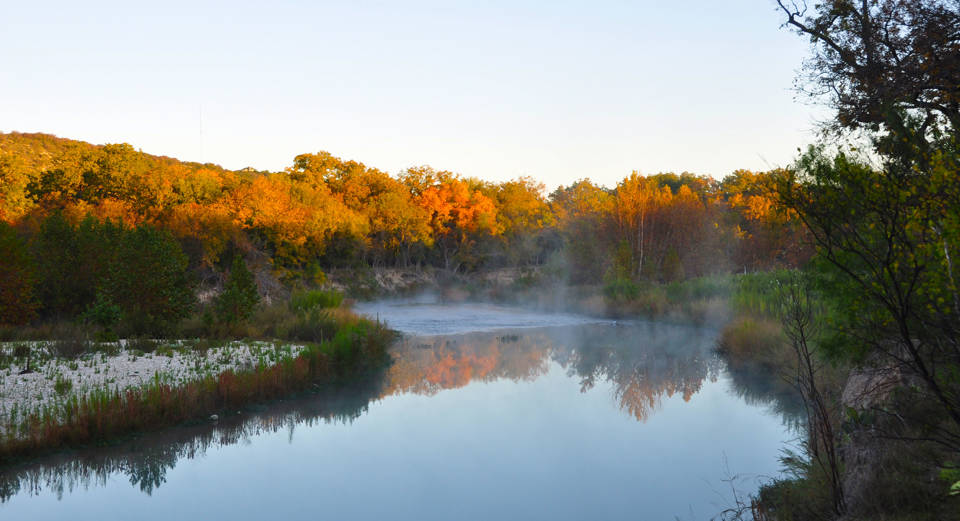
point(644, 362)
point(146, 461)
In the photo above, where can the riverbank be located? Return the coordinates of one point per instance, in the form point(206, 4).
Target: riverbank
point(117, 389)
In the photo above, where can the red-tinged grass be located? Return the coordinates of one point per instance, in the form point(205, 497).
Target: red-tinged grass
point(100, 416)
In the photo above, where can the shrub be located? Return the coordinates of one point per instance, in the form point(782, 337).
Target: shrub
point(620, 289)
point(757, 293)
point(718, 286)
point(142, 344)
point(753, 339)
point(105, 314)
point(70, 348)
point(239, 298)
point(21, 350)
point(303, 301)
point(70, 340)
point(312, 326)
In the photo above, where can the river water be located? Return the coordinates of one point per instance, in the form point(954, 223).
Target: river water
point(486, 413)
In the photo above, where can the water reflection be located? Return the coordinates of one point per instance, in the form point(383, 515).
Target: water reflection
point(643, 363)
point(759, 386)
point(146, 461)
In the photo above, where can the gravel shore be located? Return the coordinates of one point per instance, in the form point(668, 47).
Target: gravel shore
point(120, 366)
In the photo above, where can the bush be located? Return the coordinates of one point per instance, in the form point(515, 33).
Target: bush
point(757, 293)
point(700, 288)
point(21, 350)
point(620, 289)
point(70, 340)
point(303, 301)
point(70, 348)
point(104, 314)
point(757, 340)
point(313, 326)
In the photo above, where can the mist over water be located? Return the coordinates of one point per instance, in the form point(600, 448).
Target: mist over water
point(426, 315)
point(486, 413)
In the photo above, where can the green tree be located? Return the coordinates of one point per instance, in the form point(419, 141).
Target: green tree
point(73, 262)
point(887, 243)
point(149, 280)
point(239, 298)
point(18, 303)
point(61, 288)
point(887, 238)
point(886, 223)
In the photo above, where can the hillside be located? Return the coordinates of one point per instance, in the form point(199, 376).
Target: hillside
point(327, 212)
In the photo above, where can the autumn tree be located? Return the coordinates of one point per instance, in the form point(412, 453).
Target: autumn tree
point(327, 212)
point(274, 208)
point(458, 213)
point(523, 215)
point(583, 212)
point(398, 225)
point(14, 179)
point(767, 235)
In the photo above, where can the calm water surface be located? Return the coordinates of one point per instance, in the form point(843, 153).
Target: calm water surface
point(486, 413)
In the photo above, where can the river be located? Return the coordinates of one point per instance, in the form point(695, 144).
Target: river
point(486, 413)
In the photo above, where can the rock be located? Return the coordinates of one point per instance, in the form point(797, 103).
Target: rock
point(868, 387)
point(214, 417)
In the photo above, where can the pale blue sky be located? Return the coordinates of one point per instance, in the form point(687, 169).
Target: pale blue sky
point(555, 90)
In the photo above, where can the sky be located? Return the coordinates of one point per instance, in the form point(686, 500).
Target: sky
point(556, 90)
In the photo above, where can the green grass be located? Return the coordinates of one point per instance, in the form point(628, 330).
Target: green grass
point(62, 386)
point(310, 300)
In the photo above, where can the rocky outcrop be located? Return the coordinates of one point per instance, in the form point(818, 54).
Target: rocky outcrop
point(869, 452)
point(870, 386)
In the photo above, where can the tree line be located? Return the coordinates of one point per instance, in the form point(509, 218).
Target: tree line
point(324, 212)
